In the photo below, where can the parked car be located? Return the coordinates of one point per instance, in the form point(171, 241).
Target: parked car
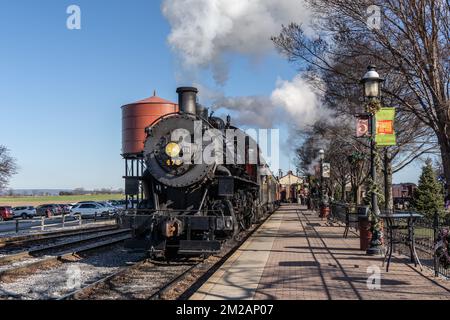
point(42, 209)
point(65, 209)
point(6, 213)
point(28, 212)
point(89, 210)
point(95, 202)
point(121, 204)
point(103, 204)
point(107, 205)
point(71, 205)
point(114, 203)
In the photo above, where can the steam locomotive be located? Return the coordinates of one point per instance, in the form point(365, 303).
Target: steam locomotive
point(205, 181)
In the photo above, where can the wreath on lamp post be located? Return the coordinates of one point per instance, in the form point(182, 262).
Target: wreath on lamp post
point(442, 250)
point(373, 106)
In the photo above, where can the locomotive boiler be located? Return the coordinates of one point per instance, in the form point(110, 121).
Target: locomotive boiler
point(202, 181)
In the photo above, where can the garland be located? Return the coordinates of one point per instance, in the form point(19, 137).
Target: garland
point(373, 188)
point(373, 106)
point(442, 250)
point(373, 217)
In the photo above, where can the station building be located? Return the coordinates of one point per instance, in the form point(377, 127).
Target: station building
point(290, 185)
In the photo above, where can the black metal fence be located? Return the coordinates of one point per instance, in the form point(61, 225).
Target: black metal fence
point(426, 234)
point(345, 213)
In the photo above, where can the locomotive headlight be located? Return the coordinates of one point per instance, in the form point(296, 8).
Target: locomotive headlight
point(173, 149)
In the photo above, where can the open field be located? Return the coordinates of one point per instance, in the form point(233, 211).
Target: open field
point(38, 200)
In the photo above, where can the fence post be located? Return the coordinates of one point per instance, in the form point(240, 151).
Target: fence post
point(436, 234)
point(63, 220)
point(42, 223)
point(79, 220)
point(95, 217)
point(17, 226)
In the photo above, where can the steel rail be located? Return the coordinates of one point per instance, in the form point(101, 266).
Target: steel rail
point(75, 294)
point(18, 240)
point(31, 253)
point(166, 287)
point(59, 258)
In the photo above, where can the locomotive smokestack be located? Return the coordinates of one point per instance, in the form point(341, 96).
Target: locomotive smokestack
point(187, 99)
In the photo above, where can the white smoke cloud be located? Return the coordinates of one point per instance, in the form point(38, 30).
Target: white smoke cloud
point(300, 101)
point(294, 102)
point(204, 31)
point(253, 111)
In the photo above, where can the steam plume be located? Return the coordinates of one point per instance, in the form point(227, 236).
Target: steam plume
point(204, 31)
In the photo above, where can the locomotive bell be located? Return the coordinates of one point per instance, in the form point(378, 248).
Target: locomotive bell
point(187, 99)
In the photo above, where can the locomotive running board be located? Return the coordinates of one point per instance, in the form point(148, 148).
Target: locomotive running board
point(199, 246)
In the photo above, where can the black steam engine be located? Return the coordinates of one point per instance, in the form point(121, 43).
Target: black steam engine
point(191, 204)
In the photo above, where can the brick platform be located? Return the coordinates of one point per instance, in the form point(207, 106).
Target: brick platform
point(297, 256)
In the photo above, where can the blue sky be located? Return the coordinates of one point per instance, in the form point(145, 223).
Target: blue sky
point(61, 90)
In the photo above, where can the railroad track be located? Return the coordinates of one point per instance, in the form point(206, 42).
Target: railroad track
point(8, 258)
point(110, 274)
point(161, 293)
point(151, 280)
point(20, 241)
point(56, 259)
point(157, 277)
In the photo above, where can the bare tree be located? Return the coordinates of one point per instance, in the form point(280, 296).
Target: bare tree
point(343, 151)
point(411, 46)
point(8, 167)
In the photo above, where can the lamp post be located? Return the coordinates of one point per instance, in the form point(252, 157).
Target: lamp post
point(371, 82)
point(324, 209)
point(321, 157)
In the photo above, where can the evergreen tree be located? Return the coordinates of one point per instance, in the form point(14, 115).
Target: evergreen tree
point(428, 197)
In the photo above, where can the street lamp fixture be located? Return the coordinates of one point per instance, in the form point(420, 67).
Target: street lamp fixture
point(321, 154)
point(371, 82)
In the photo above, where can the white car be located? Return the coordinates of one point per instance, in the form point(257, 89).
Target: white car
point(89, 210)
point(28, 212)
point(71, 205)
point(121, 204)
point(109, 206)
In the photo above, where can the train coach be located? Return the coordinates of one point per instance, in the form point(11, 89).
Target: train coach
point(199, 179)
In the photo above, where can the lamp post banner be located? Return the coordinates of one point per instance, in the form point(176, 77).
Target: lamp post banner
point(326, 170)
point(362, 126)
point(385, 133)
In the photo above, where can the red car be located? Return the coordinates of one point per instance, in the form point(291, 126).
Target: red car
point(6, 213)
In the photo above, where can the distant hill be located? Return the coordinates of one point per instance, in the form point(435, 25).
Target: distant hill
point(31, 192)
point(52, 192)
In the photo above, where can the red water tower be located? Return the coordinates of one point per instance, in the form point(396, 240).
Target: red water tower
point(139, 115)
point(136, 117)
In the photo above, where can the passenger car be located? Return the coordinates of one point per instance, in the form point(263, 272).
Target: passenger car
point(6, 213)
point(24, 212)
point(89, 210)
point(42, 209)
